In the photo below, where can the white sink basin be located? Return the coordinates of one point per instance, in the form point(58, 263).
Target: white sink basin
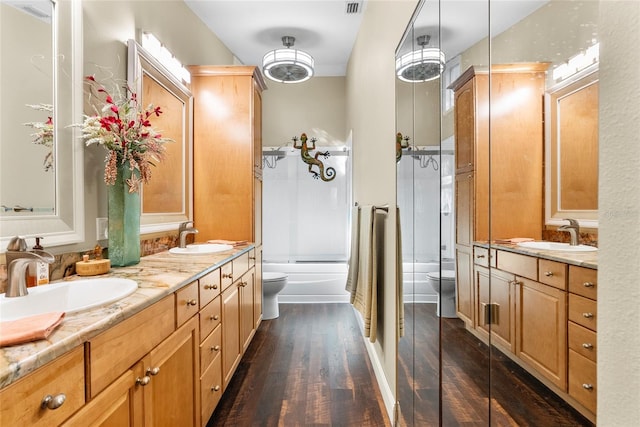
point(555, 246)
point(70, 297)
point(201, 249)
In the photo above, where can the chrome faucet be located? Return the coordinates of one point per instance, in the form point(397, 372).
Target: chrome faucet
point(18, 259)
point(574, 231)
point(185, 229)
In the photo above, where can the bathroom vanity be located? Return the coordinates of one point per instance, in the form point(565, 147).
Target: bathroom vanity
point(544, 315)
point(162, 356)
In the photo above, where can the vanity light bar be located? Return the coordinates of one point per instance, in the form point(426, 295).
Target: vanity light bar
point(577, 63)
point(165, 57)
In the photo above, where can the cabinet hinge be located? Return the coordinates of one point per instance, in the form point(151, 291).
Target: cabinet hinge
point(490, 313)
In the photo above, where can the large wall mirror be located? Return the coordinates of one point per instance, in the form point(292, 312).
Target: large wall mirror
point(452, 368)
point(167, 198)
point(41, 156)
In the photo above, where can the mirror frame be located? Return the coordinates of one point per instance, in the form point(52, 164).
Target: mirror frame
point(141, 63)
point(553, 216)
point(66, 224)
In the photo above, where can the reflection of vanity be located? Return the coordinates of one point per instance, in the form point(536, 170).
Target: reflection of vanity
point(547, 315)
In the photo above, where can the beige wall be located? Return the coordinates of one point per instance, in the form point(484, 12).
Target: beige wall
point(371, 119)
point(316, 107)
point(619, 236)
point(107, 25)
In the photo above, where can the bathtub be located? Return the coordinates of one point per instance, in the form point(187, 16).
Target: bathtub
point(414, 280)
point(311, 282)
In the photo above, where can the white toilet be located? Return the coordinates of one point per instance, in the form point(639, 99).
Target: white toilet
point(444, 284)
point(272, 284)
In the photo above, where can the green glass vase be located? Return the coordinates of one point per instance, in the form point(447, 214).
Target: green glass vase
point(124, 219)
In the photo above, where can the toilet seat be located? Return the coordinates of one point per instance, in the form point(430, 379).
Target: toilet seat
point(445, 275)
point(273, 277)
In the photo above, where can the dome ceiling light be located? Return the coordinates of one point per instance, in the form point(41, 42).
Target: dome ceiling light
point(422, 65)
point(288, 65)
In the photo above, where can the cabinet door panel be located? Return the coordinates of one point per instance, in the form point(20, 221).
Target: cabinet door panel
point(231, 350)
point(496, 287)
point(542, 325)
point(464, 209)
point(246, 308)
point(464, 284)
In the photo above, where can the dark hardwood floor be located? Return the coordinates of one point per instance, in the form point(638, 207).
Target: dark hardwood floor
point(309, 367)
point(517, 398)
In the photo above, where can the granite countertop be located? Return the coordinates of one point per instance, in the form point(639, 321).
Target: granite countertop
point(157, 275)
point(582, 259)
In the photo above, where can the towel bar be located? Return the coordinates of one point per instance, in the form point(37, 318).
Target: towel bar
point(384, 208)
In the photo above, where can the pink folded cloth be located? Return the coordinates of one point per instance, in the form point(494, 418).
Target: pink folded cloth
point(515, 240)
point(29, 329)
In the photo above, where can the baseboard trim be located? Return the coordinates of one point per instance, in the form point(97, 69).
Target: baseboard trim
point(312, 299)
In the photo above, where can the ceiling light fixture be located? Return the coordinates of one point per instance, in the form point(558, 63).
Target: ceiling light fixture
point(287, 65)
point(421, 65)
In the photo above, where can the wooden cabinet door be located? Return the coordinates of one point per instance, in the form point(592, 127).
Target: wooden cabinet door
point(541, 329)
point(464, 126)
point(172, 395)
point(247, 325)
point(496, 287)
point(464, 209)
point(231, 350)
point(464, 284)
point(257, 290)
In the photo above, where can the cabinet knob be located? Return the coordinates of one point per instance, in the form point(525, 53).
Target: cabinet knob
point(227, 275)
point(215, 348)
point(192, 302)
point(548, 273)
point(53, 402)
point(243, 284)
point(588, 285)
point(469, 164)
point(479, 256)
point(214, 317)
point(215, 388)
point(211, 286)
point(153, 371)
point(587, 345)
point(143, 381)
point(587, 315)
point(587, 386)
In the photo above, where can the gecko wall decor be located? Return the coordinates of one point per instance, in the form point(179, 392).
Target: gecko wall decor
point(327, 174)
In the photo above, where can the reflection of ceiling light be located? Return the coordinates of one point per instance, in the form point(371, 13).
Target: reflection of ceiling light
point(422, 65)
point(577, 63)
point(165, 57)
point(288, 65)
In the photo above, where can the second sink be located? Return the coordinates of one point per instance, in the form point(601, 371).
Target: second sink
point(556, 246)
point(201, 249)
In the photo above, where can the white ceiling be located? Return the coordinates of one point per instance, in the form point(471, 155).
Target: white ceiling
point(250, 28)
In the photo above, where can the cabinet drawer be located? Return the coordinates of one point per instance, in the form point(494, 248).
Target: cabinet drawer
point(186, 303)
point(226, 275)
point(117, 349)
point(240, 265)
point(583, 341)
point(209, 318)
point(209, 287)
point(520, 265)
point(252, 258)
point(210, 348)
point(583, 311)
point(553, 273)
point(582, 380)
point(583, 281)
point(211, 389)
point(484, 256)
point(21, 400)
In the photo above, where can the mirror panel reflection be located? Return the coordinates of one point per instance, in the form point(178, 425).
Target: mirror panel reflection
point(488, 121)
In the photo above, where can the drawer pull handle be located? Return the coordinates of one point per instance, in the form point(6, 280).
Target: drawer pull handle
point(587, 345)
point(479, 256)
point(588, 285)
point(214, 317)
point(548, 273)
point(215, 388)
point(587, 386)
point(215, 348)
point(227, 275)
point(211, 286)
point(243, 284)
point(53, 402)
point(587, 315)
point(143, 381)
point(192, 302)
point(252, 258)
point(153, 371)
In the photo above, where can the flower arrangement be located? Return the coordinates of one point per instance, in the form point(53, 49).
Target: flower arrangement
point(43, 134)
point(124, 128)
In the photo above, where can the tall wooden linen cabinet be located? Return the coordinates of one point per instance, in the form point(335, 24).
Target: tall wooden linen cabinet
point(499, 146)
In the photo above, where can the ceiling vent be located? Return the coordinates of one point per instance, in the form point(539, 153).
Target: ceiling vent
point(353, 7)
